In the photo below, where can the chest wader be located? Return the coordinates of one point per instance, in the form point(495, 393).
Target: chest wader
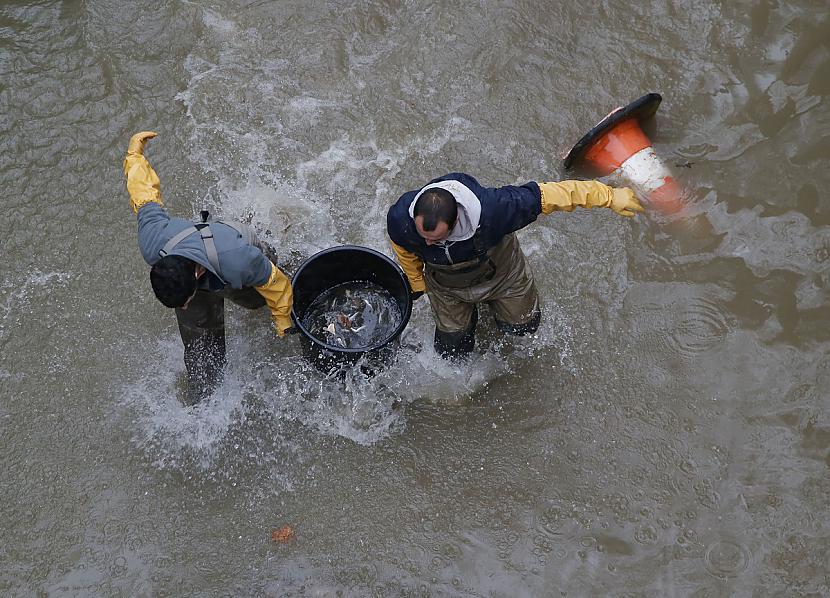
point(202, 324)
point(499, 277)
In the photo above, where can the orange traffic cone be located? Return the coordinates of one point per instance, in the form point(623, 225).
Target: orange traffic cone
point(618, 147)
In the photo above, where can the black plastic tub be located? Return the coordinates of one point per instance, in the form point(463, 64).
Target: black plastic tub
point(335, 266)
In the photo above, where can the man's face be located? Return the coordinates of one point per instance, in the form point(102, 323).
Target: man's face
point(189, 299)
point(441, 232)
point(200, 270)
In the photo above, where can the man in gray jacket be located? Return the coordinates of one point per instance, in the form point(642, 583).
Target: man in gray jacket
point(196, 266)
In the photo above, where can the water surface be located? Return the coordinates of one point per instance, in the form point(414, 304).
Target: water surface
point(664, 434)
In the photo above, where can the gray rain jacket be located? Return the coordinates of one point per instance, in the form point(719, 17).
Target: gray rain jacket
point(241, 263)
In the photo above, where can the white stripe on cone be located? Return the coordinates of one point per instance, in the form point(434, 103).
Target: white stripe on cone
point(649, 176)
point(645, 170)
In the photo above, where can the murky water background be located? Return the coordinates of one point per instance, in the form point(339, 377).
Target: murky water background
point(665, 434)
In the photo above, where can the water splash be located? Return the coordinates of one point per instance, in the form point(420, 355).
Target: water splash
point(257, 135)
point(267, 392)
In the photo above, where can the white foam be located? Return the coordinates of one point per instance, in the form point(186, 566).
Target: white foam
point(217, 22)
point(354, 406)
point(167, 427)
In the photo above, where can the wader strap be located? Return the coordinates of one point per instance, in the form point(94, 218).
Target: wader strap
point(210, 249)
point(480, 252)
point(168, 247)
point(207, 239)
point(478, 243)
point(203, 228)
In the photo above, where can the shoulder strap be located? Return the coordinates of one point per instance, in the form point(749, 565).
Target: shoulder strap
point(203, 228)
point(480, 250)
point(210, 249)
point(207, 238)
point(176, 239)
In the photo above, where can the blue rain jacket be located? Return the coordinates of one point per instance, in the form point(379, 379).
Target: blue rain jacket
point(503, 211)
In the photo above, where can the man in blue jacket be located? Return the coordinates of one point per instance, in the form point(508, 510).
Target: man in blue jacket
point(455, 241)
point(195, 267)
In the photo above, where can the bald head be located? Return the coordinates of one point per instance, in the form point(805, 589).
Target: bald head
point(434, 208)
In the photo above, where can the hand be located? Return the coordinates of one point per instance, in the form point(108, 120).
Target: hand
point(625, 203)
point(416, 295)
point(138, 141)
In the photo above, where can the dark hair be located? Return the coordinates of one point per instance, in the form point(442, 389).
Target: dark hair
point(174, 280)
point(436, 205)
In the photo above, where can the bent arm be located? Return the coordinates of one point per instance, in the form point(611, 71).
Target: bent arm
point(279, 297)
point(412, 266)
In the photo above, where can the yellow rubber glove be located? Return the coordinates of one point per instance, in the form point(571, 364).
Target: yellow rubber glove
point(142, 181)
point(138, 141)
point(279, 297)
point(412, 266)
point(625, 203)
point(565, 196)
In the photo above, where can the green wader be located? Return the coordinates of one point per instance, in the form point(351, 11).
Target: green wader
point(202, 328)
point(502, 280)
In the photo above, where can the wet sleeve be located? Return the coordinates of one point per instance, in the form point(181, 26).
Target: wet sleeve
point(153, 221)
point(565, 196)
point(142, 181)
point(511, 207)
point(279, 297)
point(412, 266)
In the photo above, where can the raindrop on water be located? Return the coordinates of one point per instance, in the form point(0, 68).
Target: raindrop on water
point(727, 559)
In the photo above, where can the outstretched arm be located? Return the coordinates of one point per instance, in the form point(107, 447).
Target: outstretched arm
point(565, 196)
point(142, 180)
point(145, 198)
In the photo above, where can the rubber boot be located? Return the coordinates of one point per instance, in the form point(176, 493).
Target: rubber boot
point(457, 344)
point(529, 327)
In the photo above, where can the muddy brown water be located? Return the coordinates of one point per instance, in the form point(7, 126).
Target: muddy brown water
point(665, 433)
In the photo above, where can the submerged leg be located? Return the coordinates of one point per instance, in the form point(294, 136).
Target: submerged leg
point(515, 305)
point(457, 343)
point(529, 326)
point(202, 328)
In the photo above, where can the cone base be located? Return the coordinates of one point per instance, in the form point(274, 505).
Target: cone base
point(641, 109)
point(666, 199)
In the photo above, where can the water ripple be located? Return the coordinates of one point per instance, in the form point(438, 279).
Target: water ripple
point(682, 328)
point(727, 559)
point(700, 327)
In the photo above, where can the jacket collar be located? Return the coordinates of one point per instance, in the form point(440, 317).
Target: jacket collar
point(469, 209)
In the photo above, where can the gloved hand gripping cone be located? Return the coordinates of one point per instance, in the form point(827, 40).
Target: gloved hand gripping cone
point(565, 196)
